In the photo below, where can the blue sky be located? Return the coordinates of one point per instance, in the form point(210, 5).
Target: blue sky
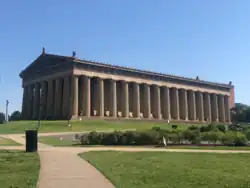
point(208, 38)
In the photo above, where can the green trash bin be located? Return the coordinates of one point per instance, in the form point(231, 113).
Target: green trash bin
point(31, 140)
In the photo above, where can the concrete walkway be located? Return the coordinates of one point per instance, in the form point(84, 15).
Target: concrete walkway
point(61, 167)
point(64, 169)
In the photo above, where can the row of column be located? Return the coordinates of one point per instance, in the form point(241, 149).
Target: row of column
point(75, 96)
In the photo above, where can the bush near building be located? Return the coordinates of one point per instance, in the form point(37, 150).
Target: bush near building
point(209, 134)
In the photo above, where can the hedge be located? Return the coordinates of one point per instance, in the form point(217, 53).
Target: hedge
point(155, 137)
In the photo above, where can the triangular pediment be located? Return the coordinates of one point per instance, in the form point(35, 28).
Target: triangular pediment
point(46, 62)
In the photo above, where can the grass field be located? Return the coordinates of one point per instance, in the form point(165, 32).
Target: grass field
point(18, 169)
point(8, 142)
point(172, 170)
point(80, 126)
point(55, 141)
point(210, 147)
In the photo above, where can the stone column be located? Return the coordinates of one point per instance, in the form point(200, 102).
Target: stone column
point(207, 107)
point(175, 103)
point(214, 108)
point(200, 109)
point(50, 106)
point(66, 95)
point(58, 99)
point(221, 109)
point(125, 94)
point(100, 97)
point(183, 105)
point(158, 102)
point(136, 100)
point(30, 101)
point(43, 99)
point(147, 106)
point(227, 109)
point(36, 103)
point(85, 95)
point(74, 97)
point(25, 102)
point(192, 105)
point(113, 99)
point(166, 106)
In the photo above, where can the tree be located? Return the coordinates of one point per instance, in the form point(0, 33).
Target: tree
point(240, 113)
point(2, 118)
point(247, 134)
point(16, 116)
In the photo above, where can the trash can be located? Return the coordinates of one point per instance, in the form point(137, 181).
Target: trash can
point(31, 140)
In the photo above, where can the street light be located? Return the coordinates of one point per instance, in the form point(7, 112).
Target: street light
point(40, 109)
point(70, 106)
point(6, 115)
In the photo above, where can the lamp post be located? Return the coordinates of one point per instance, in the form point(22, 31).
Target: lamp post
point(70, 106)
point(6, 114)
point(39, 115)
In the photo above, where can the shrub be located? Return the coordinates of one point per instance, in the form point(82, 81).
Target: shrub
point(94, 137)
point(150, 137)
point(155, 136)
point(212, 136)
point(197, 140)
point(189, 135)
point(193, 127)
point(221, 128)
point(84, 139)
point(155, 128)
point(77, 137)
point(176, 137)
point(174, 126)
point(234, 138)
point(240, 139)
point(208, 128)
point(247, 134)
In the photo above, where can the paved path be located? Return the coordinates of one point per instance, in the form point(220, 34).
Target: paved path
point(61, 166)
point(63, 169)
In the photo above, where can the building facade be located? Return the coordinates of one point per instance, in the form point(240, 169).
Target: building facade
point(62, 87)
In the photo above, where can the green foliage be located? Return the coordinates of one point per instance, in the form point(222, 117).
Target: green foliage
point(221, 128)
point(154, 136)
point(189, 135)
point(193, 127)
point(174, 126)
point(16, 116)
point(207, 128)
point(2, 118)
point(228, 138)
point(234, 138)
point(240, 113)
point(247, 134)
point(150, 137)
point(212, 137)
point(240, 139)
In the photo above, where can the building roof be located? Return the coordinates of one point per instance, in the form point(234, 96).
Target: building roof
point(71, 59)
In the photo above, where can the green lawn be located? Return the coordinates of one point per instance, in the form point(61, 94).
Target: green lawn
point(78, 126)
point(55, 141)
point(210, 147)
point(8, 142)
point(18, 169)
point(172, 170)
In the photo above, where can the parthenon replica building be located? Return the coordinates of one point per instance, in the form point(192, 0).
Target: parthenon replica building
point(65, 87)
